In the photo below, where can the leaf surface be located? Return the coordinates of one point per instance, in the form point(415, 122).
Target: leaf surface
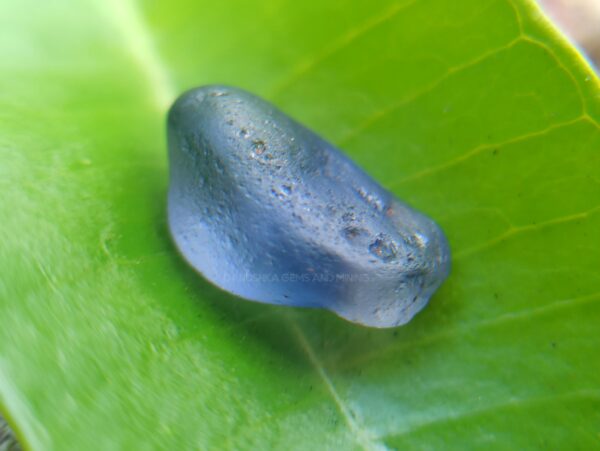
point(475, 112)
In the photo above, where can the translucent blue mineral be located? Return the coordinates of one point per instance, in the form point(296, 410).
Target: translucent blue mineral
point(268, 210)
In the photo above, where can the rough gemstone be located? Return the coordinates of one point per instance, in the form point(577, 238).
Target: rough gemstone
point(268, 210)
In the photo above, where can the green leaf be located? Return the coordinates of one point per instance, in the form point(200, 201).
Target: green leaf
point(475, 112)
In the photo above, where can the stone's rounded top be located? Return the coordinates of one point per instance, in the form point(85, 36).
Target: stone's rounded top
point(266, 209)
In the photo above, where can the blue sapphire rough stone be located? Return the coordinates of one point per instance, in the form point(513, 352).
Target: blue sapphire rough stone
point(268, 210)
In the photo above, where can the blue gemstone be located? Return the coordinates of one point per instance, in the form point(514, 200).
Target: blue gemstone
point(268, 210)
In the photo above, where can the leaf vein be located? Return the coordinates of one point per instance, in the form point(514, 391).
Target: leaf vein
point(483, 147)
point(134, 32)
point(383, 113)
point(364, 437)
point(517, 230)
point(506, 318)
point(339, 44)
